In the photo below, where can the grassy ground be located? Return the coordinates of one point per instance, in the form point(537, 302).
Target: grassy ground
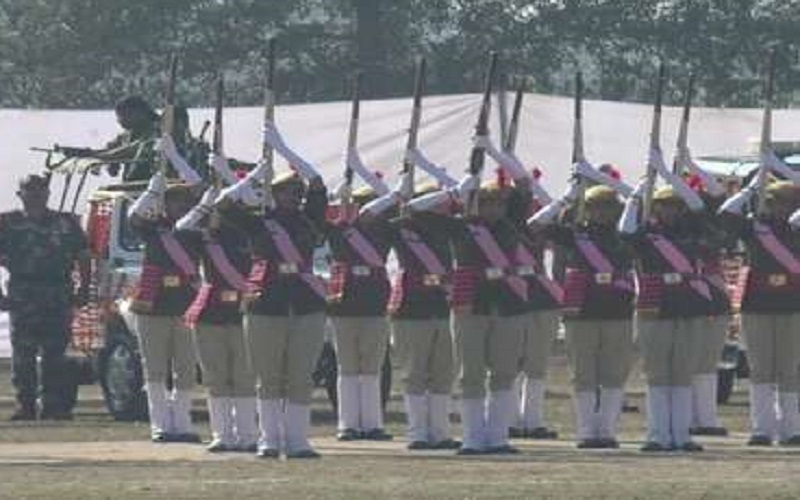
point(96, 458)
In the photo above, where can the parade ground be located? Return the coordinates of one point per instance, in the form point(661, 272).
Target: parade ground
point(94, 457)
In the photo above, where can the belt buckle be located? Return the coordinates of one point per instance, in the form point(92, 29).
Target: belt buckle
point(526, 271)
point(287, 268)
point(360, 271)
point(672, 278)
point(431, 280)
point(603, 278)
point(171, 281)
point(494, 273)
point(229, 296)
point(777, 280)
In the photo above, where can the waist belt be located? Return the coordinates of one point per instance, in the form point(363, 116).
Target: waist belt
point(288, 268)
point(364, 271)
point(171, 281)
point(677, 278)
point(526, 271)
point(228, 296)
point(494, 273)
point(432, 279)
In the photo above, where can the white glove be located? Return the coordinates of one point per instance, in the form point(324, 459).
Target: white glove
point(199, 212)
point(687, 194)
point(354, 162)
point(416, 157)
point(219, 162)
point(429, 201)
point(274, 139)
point(629, 220)
point(549, 213)
point(507, 161)
point(466, 186)
point(343, 190)
point(149, 204)
point(390, 199)
point(245, 189)
point(794, 220)
point(737, 203)
point(585, 169)
point(683, 157)
point(167, 148)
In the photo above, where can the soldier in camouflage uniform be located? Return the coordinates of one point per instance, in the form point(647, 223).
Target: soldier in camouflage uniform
point(133, 150)
point(39, 248)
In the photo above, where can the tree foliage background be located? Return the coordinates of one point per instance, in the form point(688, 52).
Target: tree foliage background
point(89, 53)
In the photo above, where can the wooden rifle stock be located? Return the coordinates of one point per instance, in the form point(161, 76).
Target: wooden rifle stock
point(352, 144)
point(478, 155)
point(765, 146)
point(513, 125)
point(216, 142)
point(683, 131)
point(416, 117)
point(655, 144)
point(267, 154)
point(577, 150)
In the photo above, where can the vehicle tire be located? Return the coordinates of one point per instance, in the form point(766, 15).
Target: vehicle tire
point(726, 379)
point(120, 375)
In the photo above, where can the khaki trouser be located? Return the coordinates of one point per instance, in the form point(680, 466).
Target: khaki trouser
point(424, 350)
point(360, 343)
point(487, 344)
point(166, 343)
point(223, 356)
point(600, 352)
point(773, 349)
point(541, 328)
point(283, 353)
point(669, 348)
point(709, 344)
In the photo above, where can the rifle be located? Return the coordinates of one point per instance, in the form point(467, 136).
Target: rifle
point(577, 149)
point(352, 144)
point(413, 128)
point(478, 155)
point(502, 109)
point(765, 147)
point(683, 132)
point(267, 156)
point(510, 143)
point(655, 144)
point(216, 144)
point(168, 115)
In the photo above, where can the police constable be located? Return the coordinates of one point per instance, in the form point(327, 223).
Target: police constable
point(673, 303)
point(39, 247)
point(216, 319)
point(284, 317)
point(166, 288)
point(598, 308)
point(358, 292)
point(770, 308)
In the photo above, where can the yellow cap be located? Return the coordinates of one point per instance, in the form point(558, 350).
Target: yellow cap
point(363, 194)
point(491, 188)
point(784, 190)
point(666, 193)
point(600, 194)
point(286, 179)
point(425, 188)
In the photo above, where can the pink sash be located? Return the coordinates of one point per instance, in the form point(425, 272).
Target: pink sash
point(363, 247)
point(783, 255)
point(594, 256)
point(226, 269)
point(497, 258)
point(425, 255)
point(525, 258)
point(178, 255)
point(290, 253)
point(680, 263)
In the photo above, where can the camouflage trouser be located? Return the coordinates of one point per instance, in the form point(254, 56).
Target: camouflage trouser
point(46, 335)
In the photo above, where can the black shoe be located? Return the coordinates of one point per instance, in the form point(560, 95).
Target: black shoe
point(446, 444)
point(348, 435)
point(503, 449)
point(708, 431)
point(56, 415)
point(541, 433)
point(470, 451)
point(268, 453)
point(217, 446)
point(303, 454)
point(419, 445)
point(160, 437)
point(23, 414)
point(590, 444)
point(690, 447)
point(759, 440)
point(185, 437)
point(792, 441)
point(653, 446)
point(376, 435)
point(246, 448)
point(608, 443)
point(516, 432)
